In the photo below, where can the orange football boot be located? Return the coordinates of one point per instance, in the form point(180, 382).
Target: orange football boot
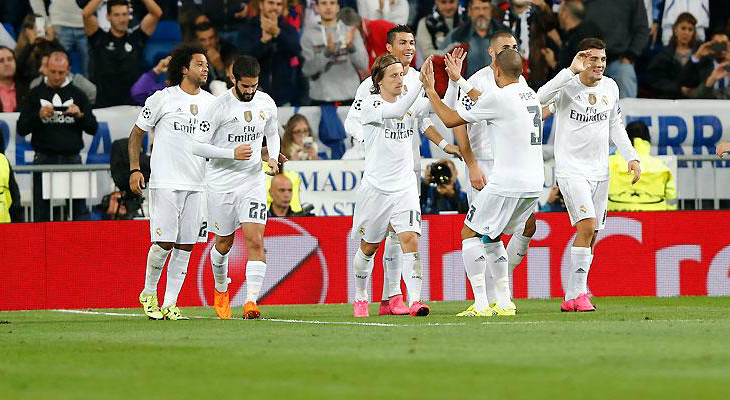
point(251, 310)
point(222, 305)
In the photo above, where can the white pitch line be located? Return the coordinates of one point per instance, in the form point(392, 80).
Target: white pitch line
point(381, 324)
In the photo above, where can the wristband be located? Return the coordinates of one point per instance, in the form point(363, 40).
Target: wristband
point(135, 170)
point(465, 86)
point(443, 143)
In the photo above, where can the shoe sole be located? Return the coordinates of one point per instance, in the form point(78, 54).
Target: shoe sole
point(252, 315)
point(593, 310)
point(422, 312)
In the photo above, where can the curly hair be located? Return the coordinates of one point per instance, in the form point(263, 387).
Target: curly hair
point(180, 58)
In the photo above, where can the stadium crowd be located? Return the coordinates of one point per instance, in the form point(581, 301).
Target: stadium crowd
point(316, 52)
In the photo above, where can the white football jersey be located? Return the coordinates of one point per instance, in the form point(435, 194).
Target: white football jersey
point(483, 81)
point(585, 119)
point(515, 125)
point(174, 116)
point(230, 123)
point(389, 160)
point(354, 125)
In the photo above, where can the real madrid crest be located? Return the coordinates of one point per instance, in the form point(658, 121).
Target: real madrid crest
point(248, 116)
point(604, 100)
point(262, 115)
point(194, 109)
point(592, 99)
point(405, 89)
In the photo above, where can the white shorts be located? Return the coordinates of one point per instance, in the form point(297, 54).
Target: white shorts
point(374, 211)
point(486, 167)
point(493, 215)
point(175, 215)
point(585, 199)
point(247, 204)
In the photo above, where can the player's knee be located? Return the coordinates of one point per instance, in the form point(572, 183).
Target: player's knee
point(368, 248)
point(167, 246)
point(586, 229)
point(223, 244)
point(530, 227)
point(184, 247)
point(409, 242)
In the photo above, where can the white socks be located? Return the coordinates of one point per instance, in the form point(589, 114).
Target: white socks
point(475, 263)
point(255, 272)
point(156, 258)
point(362, 265)
point(516, 250)
point(219, 262)
point(177, 268)
point(580, 263)
point(497, 263)
point(413, 271)
point(392, 266)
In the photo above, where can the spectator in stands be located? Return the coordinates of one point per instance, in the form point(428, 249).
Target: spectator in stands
point(705, 76)
point(189, 16)
point(115, 57)
point(665, 13)
point(433, 28)
point(656, 191)
point(281, 192)
point(227, 16)
point(274, 44)
point(662, 73)
point(475, 33)
point(440, 190)
point(57, 113)
point(530, 21)
point(78, 80)
point(723, 149)
point(298, 143)
point(10, 208)
point(12, 89)
point(626, 32)
point(219, 52)
point(395, 11)
point(32, 47)
point(311, 15)
point(149, 82)
point(221, 85)
point(65, 16)
point(374, 32)
point(333, 53)
point(554, 202)
point(574, 29)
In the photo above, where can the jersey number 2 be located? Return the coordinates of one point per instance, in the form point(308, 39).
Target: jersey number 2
point(257, 211)
point(536, 137)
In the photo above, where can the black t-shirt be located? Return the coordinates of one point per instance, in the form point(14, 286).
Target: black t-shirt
point(115, 64)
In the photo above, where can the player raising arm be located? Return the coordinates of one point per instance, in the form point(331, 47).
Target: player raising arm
point(587, 116)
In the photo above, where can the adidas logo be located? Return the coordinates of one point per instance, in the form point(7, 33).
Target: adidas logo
point(501, 259)
point(178, 109)
point(481, 258)
point(580, 271)
point(235, 119)
point(521, 255)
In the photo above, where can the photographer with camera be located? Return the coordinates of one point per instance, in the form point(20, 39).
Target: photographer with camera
point(440, 190)
point(57, 113)
point(707, 74)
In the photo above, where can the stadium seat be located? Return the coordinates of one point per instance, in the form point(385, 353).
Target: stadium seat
point(166, 36)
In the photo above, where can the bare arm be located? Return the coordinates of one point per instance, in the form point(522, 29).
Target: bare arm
point(91, 24)
point(134, 147)
point(154, 13)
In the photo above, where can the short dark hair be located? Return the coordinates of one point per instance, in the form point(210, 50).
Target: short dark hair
point(339, 3)
point(246, 67)
point(575, 8)
point(390, 36)
point(501, 34)
point(379, 66)
point(510, 62)
point(470, 2)
point(638, 129)
point(203, 27)
point(591, 43)
point(113, 3)
point(180, 58)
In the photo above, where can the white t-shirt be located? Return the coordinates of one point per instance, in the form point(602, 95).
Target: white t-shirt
point(353, 124)
point(515, 125)
point(174, 115)
point(388, 144)
point(230, 123)
point(585, 119)
point(483, 81)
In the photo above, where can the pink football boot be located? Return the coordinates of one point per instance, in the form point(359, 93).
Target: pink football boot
point(360, 309)
point(419, 309)
point(568, 306)
point(583, 304)
point(397, 306)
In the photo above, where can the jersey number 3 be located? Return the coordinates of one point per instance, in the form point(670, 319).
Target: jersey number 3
point(536, 137)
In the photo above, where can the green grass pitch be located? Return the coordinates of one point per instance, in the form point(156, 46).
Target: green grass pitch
point(632, 348)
